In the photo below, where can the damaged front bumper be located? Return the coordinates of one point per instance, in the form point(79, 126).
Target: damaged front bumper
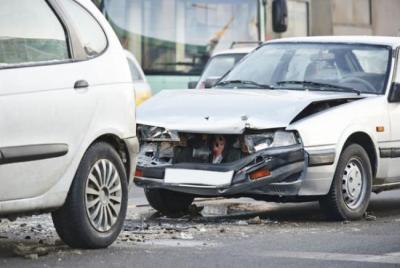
point(283, 169)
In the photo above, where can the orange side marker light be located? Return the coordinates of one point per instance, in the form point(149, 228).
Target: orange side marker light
point(261, 173)
point(138, 173)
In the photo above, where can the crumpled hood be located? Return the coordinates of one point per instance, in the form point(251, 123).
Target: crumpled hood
point(226, 111)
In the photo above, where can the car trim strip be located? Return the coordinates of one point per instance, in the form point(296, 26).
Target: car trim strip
point(321, 158)
point(389, 152)
point(26, 153)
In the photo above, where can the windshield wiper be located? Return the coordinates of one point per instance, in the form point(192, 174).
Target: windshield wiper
point(244, 82)
point(322, 85)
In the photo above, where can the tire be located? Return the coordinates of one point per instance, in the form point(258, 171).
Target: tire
point(72, 221)
point(168, 202)
point(350, 192)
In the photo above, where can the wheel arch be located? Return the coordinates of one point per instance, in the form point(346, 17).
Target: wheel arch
point(119, 145)
point(364, 140)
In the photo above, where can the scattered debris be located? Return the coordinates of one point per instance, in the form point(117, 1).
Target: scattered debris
point(31, 252)
point(76, 252)
point(206, 219)
point(183, 236)
point(255, 220)
point(369, 217)
point(32, 256)
point(241, 222)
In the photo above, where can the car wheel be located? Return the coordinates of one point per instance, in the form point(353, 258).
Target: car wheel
point(95, 209)
point(350, 191)
point(168, 202)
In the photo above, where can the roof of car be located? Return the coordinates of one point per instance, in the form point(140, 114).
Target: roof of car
point(375, 40)
point(239, 50)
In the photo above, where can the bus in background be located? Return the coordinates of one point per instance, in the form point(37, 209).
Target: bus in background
point(173, 40)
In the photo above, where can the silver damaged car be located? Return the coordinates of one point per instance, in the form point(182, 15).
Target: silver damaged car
point(300, 119)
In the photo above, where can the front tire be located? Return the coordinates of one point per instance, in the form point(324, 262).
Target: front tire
point(168, 202)
point(94, 212)
point(350, 191)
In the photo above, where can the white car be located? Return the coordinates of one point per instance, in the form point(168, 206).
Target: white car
point(298, 119)
point(219, 64)
point(67, 119)
point(142, 87)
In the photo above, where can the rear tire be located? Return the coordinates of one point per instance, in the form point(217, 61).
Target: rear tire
point(168, 202)
point(350, 192)
point(94, 212)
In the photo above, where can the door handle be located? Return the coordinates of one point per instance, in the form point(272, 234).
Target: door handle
point(81, 84)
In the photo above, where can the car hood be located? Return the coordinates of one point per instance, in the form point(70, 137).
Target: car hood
point(230, 111)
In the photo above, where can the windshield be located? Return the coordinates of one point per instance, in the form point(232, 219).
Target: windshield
point(178, 36)
point(218, 66)
point(347, 67)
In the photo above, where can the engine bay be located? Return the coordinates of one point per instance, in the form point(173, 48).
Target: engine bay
point(193, 148)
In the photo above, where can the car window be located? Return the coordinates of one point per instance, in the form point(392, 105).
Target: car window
point(30, 33)
point(262, 67)
point(135, 73)
point(89, 31)
point(219, 65)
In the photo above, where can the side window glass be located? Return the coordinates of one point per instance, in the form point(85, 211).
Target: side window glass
point(89, 31)
point(372, 61)
point(30, 33)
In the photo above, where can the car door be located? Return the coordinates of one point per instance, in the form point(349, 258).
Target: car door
point(391, 150)
point(45, 102)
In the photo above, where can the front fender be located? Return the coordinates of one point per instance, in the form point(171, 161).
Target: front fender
point(329, 131)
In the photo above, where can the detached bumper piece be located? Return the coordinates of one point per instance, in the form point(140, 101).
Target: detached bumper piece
point(272, 171)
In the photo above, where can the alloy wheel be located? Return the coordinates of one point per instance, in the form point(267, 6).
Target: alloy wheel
point(103, 195)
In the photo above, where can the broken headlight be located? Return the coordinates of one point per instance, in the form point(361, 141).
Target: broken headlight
point(280, 138)
point(152, 133)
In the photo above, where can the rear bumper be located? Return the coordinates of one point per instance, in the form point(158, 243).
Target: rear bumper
point(132, 144)
point(286, 166)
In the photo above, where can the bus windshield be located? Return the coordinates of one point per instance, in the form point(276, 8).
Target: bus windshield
point(178, 36)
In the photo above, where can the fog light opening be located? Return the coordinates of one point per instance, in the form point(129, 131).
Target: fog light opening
point(260, 173)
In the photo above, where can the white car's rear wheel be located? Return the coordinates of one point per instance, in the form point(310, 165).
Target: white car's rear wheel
point(95, 209)
point(103, 195)
point(350, 191)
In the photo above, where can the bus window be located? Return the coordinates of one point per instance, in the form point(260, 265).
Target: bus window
point(179, 36)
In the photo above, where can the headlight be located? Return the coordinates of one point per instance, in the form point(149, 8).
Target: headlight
point(258, 142)
point(151, 133)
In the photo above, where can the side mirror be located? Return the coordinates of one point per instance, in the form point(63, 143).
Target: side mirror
point(192, 84)
point(210, 82)
point(394, 95)
point(279, 16)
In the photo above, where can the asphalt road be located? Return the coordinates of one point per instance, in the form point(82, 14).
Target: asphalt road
point(227, 233)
